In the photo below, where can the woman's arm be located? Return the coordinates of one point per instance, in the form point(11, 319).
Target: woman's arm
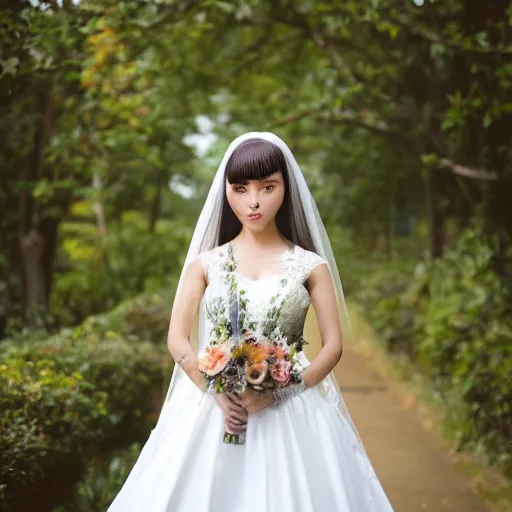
point(323, 299)
point(186, 302)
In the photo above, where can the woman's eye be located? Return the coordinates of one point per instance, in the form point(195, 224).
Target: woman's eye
point(240, 188)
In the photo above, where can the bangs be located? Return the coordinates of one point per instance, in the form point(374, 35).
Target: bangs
point(254, 159)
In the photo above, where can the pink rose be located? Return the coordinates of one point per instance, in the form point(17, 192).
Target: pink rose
point(281, 371)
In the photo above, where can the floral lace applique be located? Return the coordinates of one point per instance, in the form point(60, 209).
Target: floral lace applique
point(268, 308)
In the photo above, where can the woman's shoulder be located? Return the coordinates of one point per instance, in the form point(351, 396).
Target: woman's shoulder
point(306, 261)
point(206, 256)
point(307, 256)
point(210, 259)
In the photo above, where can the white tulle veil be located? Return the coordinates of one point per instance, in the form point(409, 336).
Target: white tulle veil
point(304, 220)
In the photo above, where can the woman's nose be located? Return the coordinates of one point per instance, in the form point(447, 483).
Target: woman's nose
point(253, 198)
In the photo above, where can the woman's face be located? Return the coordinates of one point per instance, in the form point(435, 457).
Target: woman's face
point(268, 193)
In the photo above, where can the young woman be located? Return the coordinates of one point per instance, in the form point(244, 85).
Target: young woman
point(259, 233)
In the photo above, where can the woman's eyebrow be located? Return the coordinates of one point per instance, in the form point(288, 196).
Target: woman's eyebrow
point(270, 180)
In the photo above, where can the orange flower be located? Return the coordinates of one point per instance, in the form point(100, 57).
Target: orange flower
point(240, 352)
point(257, 353)
point(256, 373)
point(215, 360)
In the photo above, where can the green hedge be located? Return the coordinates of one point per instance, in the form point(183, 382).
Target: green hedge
point(68, 398)
point(101, 481)
point(454, 319)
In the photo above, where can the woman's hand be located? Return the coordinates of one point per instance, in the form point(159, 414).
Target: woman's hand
point(255, 401)
point(235, 415)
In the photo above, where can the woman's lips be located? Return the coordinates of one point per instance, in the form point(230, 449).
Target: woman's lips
point(254, 216)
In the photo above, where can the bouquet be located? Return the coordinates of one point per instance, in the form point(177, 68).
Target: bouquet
point(235, 358)
point(233, 365)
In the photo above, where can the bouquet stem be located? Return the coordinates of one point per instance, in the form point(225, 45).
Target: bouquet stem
point(234, 438)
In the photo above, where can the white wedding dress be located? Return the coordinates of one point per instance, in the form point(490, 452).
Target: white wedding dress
point(300, 457)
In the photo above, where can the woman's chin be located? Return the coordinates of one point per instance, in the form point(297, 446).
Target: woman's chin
point(257, 228)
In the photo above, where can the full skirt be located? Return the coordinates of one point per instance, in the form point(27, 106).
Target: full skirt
point(300, 457)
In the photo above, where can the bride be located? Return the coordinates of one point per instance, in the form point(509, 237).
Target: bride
point(260, 233)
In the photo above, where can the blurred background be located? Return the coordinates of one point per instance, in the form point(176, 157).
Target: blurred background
point(114, 117)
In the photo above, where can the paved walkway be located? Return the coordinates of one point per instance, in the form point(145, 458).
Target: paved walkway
point(412, 463)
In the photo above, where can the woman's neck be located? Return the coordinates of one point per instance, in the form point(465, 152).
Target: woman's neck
point(270, 237)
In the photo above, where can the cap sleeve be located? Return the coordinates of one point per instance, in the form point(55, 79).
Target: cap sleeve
point(205, 259)
point(310, 262)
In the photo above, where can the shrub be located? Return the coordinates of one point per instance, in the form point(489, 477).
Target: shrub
point(93, 272)
point(382, 293)
point(82, 392)
point(455, 315)
point(101, 481)
point(464, 339)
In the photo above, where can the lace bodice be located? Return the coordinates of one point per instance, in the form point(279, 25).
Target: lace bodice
point(273, 304)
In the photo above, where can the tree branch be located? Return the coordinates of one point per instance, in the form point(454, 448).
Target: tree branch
point(469, 172)
point(293, 118)
point(413, 28)
point(361, 124)
point(436, 38)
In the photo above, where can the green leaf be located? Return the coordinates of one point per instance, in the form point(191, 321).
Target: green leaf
point(9, 66)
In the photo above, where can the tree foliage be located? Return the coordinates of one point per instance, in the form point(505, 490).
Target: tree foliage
point(399, 112)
